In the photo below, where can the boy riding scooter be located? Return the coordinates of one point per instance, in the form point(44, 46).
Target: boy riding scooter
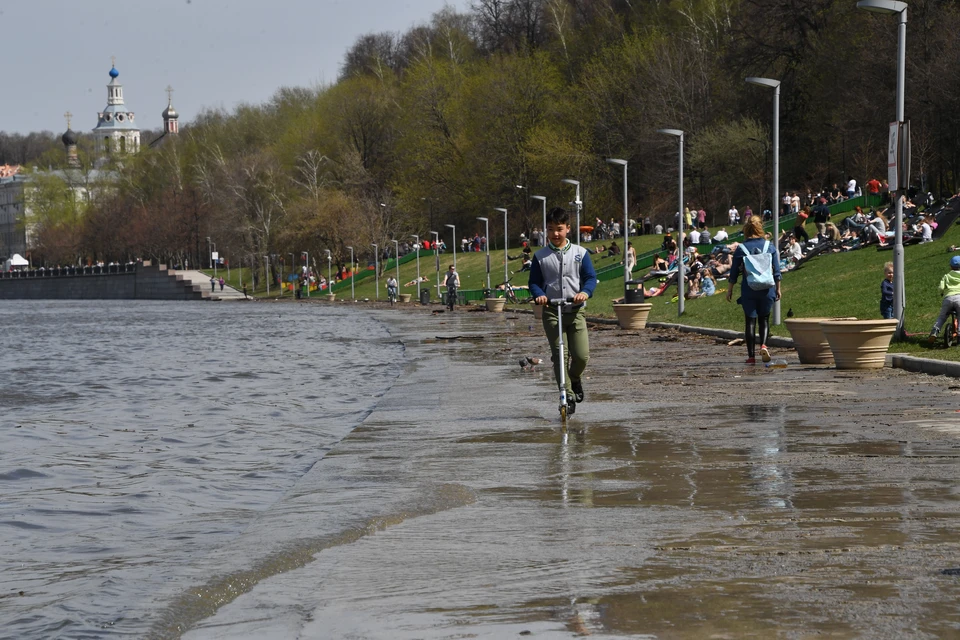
point(563, 271)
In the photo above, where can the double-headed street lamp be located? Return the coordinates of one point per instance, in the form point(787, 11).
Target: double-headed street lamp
point(681, 270)
point(376, 268)
point(353, 294)
point(454, 243)
point(775, 208)
point(626, 213)
point(436, 256)
point(896, 176)
point(416, 239)
point(486, 221)
point(578, 203)
point(543, 229)
point(506, 276)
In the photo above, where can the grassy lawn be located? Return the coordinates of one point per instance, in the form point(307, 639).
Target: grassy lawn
point(833, 285)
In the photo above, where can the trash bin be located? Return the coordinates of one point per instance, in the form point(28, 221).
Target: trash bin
point(425, 296)
point(633, 296)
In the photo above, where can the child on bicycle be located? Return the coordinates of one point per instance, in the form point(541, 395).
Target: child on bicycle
point(564, 270)
point(391, 289)
point(950, 290)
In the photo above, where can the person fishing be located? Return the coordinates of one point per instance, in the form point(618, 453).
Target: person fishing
point(564, 270)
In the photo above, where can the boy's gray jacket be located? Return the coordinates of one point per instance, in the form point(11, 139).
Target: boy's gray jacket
point(577, 272)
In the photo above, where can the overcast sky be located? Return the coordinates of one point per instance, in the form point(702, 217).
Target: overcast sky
point(214, 53)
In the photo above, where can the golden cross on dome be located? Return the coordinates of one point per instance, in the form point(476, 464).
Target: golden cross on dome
point(68, 115)
point(169, 91)
point(113, 61)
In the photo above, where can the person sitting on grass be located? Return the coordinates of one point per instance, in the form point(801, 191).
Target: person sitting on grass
point(793, 252)
point(659, 264)
point(613, 249)
point(950, 290)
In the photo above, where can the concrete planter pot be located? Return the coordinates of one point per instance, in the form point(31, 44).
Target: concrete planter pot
point(632, 316)
point(406, 297)
point(812, 346)
point(538, 311)
point(331, 297)
point(859, 344)
point(495, 304)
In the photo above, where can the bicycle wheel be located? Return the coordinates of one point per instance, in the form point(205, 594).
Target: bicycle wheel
point(950, 337)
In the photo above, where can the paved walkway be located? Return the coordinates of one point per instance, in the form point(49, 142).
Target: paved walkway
point(202, 279)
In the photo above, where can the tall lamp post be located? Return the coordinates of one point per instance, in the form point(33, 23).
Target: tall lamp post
point(307, 254)
point(396, 260)
point(454, 243)
point(376, 268)
point(353, 294)
point(416, 239)
point(897, 170)
point(578, 203)
point(506, 276)
point(681, 270)
point(329, 273)
point(209, 254)
point(775, 85)
point(626, 229)
point(543, 229)
point(486, 221)
point(215, 261)
point(436, 257)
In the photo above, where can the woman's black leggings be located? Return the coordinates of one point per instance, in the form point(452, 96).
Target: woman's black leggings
point(764, 322)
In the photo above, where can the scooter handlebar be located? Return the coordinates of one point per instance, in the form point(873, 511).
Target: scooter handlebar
point(553, 302)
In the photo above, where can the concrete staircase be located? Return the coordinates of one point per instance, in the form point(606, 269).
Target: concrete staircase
point(200, 281)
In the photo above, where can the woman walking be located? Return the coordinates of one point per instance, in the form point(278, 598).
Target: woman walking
point(760, 286)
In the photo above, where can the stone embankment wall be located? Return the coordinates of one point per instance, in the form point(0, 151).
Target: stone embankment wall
point(148, 282)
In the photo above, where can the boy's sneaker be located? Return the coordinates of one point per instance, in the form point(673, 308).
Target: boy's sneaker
point(577, 389)
point(764, 353)
point(571, 407)
point(751, 360)
point(933, 336)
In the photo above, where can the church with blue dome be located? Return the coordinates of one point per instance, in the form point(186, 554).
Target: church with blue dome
point(115, 131)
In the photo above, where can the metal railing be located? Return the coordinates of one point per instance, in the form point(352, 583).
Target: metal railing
point(56, 272)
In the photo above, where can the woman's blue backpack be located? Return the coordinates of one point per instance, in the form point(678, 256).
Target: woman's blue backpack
point(759, 268)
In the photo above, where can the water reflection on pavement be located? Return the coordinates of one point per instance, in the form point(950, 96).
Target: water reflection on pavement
point(689, 497)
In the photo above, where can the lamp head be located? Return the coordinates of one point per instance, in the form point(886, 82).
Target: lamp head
point(671, 132)
point(452, 226)
point(618, 161)
point(544, 198)
point(483, 219)
point(763, 82)
point(520, 186)
point(883, 6)
point(501, 209)
point(570, 181)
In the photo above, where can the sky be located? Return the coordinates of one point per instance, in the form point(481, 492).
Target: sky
point(214, 53)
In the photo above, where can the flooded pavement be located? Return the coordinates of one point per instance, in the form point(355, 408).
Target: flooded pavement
point(690, 496)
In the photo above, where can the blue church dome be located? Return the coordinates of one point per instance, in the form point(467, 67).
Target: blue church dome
point(113, 72)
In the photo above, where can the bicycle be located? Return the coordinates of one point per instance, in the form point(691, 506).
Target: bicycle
point(509, 292)
point(392, 295)
point(951, 330)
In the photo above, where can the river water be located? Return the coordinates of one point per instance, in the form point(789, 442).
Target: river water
point(137, 439)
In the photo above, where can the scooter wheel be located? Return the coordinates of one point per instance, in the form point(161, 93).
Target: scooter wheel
point(563, 412)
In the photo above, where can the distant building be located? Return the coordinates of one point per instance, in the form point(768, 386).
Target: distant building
point(171, 124)
point(115, 131)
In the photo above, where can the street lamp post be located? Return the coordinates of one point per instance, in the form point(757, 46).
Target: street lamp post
point(894, 7)
point(215, 261)
point(681, 270)
point(436, 257)
point(416, 239)
point(266, 274)
point(329, 272)
point(376, 269)
point(307, 254)
point(353, 294)
point(486, 221)
point(543, 229)
point(396, 260)
point(293, 264)
point(775, 208)
point(626, 229)
point(578, 203)
point(209, 254)
point(506, 276)
point(454, 243)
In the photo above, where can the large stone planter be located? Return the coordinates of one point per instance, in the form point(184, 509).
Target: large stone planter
point(495, 304)
point(331, 297)
point(406, 297)
point(859, 344)
point(538, 311)
point(632, 316)
point(812, 346)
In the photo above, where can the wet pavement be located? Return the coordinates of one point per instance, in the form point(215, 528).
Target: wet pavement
point(689, 496)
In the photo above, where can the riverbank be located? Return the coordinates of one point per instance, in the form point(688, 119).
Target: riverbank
point(690, 495)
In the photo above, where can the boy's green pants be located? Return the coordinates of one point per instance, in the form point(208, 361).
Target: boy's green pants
point(576, 343)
